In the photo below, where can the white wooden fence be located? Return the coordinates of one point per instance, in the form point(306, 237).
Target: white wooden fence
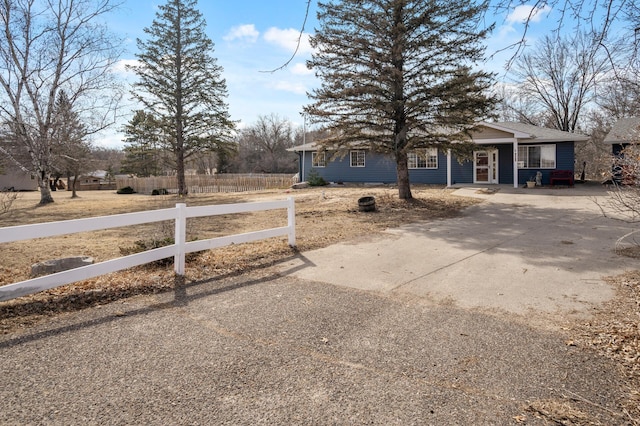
point(178, 250)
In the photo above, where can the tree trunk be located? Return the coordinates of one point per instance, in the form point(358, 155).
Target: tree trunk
point(45, 190)
point(182, 186)
point(402, 167)
point(73, 187)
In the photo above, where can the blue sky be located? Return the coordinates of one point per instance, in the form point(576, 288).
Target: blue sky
point(253, 36)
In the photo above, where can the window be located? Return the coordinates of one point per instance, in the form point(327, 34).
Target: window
point(537, 156)
point(357, 158)
point(423, 159)
point(317, 159)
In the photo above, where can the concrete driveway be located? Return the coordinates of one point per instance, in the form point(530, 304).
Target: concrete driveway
point(522, 249)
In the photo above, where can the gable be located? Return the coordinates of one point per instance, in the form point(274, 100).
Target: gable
point(625, 130)
point(484, 132)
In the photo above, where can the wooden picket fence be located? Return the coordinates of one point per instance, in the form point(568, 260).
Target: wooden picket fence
point(206, 184)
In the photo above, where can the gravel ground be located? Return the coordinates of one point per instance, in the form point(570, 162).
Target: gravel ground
point(265, 349)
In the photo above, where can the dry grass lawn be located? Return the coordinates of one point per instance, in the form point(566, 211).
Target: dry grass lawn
point(323, 216)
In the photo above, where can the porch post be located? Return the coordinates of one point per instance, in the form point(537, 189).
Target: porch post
point(515, 163)
point(449, 168)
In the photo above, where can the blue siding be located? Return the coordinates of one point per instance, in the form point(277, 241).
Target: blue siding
point(505, 163)
point(378, 168)
point(461, 172)
point(431, 176)
point(382, 169)
point(564, 161)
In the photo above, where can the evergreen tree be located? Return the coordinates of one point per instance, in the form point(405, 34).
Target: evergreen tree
point(181, 84)
point(397, 75)
point(69, 142)
point(142, 154)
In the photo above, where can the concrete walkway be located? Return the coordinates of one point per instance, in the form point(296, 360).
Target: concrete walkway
point(522, 249)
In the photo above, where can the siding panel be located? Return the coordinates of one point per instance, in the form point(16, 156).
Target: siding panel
point(382, 169)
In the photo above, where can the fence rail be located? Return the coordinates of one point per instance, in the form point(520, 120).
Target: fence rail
point(197, 184)
point(179, 214)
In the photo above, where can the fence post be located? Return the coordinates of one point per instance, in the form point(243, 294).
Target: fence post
point(291, 221)
point(180, 238)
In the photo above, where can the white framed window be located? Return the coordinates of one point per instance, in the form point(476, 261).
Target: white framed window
point(537, 156)
point(357, 158)
point(423, 158)
point(318, 159)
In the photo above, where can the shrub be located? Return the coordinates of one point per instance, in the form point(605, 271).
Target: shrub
point(140, 246)
point(6, 200)
point(314, 179)
point(126, 190)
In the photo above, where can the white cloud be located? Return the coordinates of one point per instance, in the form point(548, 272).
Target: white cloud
point(289, 86)
point(524, 13)
point(288, 39)
point(120, 66)
point(301, 69)
point(247, 33)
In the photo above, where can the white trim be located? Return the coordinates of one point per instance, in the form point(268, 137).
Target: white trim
point(515, 163)
point(364, 158)
point(492, 166)
point(428, 154)
point(315, 164)
point(541, 146)
point(449, 176)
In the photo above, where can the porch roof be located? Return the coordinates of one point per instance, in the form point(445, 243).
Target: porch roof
point(528, 133)
point(500, 132)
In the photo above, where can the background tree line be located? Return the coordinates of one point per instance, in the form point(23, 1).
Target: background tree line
point(389, 71)
point(261, 147)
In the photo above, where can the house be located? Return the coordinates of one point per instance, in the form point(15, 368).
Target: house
point(624, 132)
point(506, 153)
point(12, 179)
point(96, 180)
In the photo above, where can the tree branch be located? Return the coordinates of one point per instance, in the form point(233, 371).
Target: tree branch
point(295, 52)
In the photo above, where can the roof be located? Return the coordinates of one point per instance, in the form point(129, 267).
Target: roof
point(311, 146)
point(625, 130)
point(540, 134)
point(524, 133)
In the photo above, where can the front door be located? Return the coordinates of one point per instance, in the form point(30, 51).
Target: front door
point(485, 166)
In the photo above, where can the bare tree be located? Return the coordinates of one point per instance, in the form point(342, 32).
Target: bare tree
point(597, 17)
point(559, 78)
point(263, 146)
point(45, 47)
point(620, 96)
point(624, 198)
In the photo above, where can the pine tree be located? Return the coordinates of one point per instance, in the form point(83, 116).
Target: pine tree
point(397, 75)
point(181, 85)
point(142, 154)
point(69, 142)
